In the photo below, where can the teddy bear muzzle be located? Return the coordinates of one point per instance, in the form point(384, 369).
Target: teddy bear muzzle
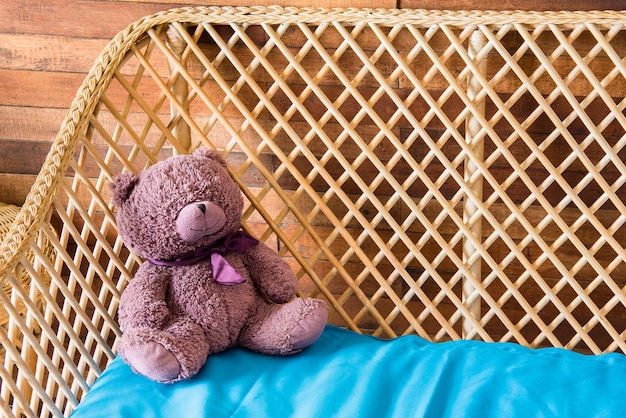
point(198, 220)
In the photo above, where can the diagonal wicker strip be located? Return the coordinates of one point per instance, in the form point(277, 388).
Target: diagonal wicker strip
point(449, 174)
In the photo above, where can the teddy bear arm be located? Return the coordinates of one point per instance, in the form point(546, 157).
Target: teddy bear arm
point(142, 303)
point(271, 274)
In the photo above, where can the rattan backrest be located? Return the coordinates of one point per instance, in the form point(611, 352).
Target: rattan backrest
point(449, 174)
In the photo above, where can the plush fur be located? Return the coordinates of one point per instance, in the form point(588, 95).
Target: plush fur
point(174, 316)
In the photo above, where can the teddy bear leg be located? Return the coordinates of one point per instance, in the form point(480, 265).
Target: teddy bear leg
point(285, 329)
point(175, 353)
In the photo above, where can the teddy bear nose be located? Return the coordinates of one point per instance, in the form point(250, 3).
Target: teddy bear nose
point(199, 219)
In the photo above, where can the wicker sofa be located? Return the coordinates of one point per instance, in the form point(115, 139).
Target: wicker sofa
point(451, 175)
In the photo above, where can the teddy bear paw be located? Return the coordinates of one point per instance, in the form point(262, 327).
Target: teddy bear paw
point(152, 360)
point(308, 329)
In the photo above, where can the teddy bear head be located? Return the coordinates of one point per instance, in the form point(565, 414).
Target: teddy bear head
point(177, 205)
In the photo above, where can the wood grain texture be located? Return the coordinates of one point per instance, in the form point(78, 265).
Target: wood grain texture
point(47, 48)
point(48, 53)
point(539, 5)
point(294, 3)
point(74, 18)
point(14, 187)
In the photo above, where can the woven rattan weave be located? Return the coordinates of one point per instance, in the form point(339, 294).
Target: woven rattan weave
point(449, 174)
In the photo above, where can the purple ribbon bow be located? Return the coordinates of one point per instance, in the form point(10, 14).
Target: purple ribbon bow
point(223, 272)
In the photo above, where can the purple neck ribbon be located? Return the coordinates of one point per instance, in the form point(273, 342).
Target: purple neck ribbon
point(223, 272)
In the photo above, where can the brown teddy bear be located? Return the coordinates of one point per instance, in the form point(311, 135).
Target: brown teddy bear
point(206, 285)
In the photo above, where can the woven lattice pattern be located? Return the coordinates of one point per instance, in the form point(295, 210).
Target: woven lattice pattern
point(454, 175)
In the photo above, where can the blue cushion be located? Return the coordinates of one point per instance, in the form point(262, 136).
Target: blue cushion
point(345, 374)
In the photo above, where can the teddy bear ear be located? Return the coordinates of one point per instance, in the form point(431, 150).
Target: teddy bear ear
point(122, 186)
point(210, 154)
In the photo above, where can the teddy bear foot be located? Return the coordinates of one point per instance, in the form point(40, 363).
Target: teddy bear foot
point(286, 329)
point(311, 326)
point(152, 360)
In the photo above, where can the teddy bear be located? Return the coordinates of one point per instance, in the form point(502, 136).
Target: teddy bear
point(206, 285)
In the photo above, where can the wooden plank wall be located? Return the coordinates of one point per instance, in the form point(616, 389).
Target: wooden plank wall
point(47, 47)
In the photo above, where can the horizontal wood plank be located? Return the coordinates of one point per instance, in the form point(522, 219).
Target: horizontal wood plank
point(38, 89)
point(540, 5)
point(48, 53)
point(74, 18)
point(292, 3)
point(30, 123)
point(13, 162)
point(15, 187)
